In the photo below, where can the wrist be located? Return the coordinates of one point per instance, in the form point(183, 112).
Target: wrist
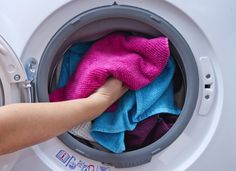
point(99, 103)
point(100, 100)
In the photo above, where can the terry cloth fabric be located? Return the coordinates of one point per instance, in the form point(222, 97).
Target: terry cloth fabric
point(135, 106)
point(71, 58)
point(148, 131)
point(83, 131)
point(136, 61)
point(117, 54)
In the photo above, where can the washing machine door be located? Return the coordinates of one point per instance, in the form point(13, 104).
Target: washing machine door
point(14, 88)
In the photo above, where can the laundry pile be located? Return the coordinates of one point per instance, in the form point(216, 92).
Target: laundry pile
point(145, 113)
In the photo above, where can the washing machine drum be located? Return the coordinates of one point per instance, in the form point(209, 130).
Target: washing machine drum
point(96, 23)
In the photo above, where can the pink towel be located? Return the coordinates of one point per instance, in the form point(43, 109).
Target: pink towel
point(136, 61)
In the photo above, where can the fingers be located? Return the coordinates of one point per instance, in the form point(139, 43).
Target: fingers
point(113, 89)
point(114, 82)
point(117, 83)
point(124, 90)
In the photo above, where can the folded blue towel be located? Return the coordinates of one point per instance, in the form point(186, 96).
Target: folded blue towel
point(135, 106)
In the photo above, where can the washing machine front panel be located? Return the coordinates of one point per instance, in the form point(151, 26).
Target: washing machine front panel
point(192, 142)
point(114, 16)
point(194, 22)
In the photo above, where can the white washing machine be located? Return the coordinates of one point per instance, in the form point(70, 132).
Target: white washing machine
point(35, 34)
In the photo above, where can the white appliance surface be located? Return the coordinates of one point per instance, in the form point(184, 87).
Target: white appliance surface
point(207, 143)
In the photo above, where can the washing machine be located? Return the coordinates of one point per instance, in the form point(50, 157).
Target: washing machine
point(35, 34)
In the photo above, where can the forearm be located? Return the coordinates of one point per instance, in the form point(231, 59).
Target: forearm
point(23, 125)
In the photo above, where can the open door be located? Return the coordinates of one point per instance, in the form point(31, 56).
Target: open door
point(14, 88)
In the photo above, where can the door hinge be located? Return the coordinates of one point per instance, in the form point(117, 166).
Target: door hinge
point(29, 84)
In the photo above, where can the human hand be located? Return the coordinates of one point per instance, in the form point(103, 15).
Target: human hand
point(111, 91)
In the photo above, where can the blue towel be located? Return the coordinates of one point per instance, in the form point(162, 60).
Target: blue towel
point(109, 128)
point(71, 58)
point(135, 106)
